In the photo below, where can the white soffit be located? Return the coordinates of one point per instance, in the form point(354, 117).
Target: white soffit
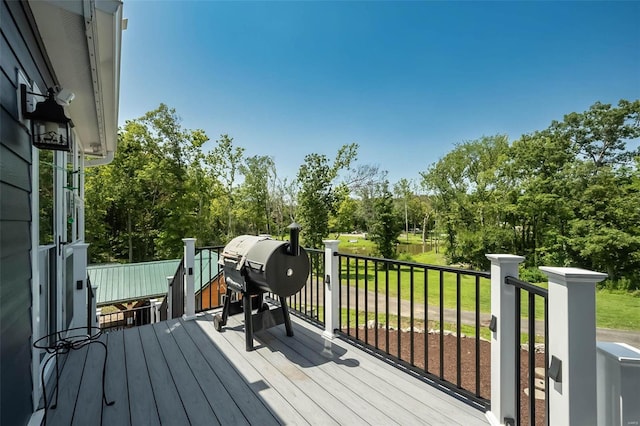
point(82, 39)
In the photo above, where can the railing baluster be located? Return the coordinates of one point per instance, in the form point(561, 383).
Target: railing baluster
point(411, 314)
point(532, 358)
point(441, 324)
point(318, 274)
point(458, 332)
point(477, 335)
point(366, 301)
point(375, 272)
point(399, 316)
point(340, 258)
point(348, 297)
point(546, 360)
point(357, 297)
point(386, 305)
point(518, 336)
point(426, 319)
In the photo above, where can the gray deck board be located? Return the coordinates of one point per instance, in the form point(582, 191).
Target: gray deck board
point(335, 374)
point(374, 389)
point(280, 406)
point(166, 395)
point(357, 408)
point(308, 383)
point(195, 403)
point(90, 392)
point(408, 391)
point(224, 406)
point(69, 383)
point(186, 372)
point(116, 383)
point(141, 400)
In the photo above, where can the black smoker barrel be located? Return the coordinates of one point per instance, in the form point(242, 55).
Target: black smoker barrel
point(253, 265)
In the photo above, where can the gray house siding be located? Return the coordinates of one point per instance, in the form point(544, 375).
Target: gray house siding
point(19, 49)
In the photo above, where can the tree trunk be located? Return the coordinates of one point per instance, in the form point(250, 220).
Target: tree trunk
point(424, 230)
point(130, 237)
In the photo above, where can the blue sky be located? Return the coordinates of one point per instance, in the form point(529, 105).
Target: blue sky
point(405, 80)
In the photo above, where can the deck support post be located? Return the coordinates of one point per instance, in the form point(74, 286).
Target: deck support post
point(154, 306)
point(572, 345)
point(331, 289)
point(503, 344)
point(188, 287)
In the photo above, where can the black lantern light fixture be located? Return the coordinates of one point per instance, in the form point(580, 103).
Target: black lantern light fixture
point(50, 127)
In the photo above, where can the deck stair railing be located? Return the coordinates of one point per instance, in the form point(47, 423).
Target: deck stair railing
point(537, 383)
point(201, 267)
point(208, 281)
point(570, 345)
point(120, 320)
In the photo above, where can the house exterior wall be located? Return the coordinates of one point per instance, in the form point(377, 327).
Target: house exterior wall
point(20, 50)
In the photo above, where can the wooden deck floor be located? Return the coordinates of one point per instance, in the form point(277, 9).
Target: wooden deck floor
point(184, 372)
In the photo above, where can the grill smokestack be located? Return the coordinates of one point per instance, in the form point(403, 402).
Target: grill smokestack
point(294, 239)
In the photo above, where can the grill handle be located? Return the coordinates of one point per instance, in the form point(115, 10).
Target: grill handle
point(256, 266)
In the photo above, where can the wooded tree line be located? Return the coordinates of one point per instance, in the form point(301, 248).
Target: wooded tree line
point(566, 195)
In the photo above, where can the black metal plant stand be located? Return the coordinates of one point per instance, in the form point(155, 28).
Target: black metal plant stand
point(55, 344)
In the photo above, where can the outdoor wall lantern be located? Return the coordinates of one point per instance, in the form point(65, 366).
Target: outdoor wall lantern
point(50, 127)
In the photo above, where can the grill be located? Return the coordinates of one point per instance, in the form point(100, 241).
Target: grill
point(254, 265)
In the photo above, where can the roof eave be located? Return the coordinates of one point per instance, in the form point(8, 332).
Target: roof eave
point(83, 41)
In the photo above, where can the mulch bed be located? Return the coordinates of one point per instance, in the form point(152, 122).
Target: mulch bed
point(449, 368)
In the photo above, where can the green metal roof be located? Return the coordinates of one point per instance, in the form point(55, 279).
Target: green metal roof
point(132, 281)
point(119, 283)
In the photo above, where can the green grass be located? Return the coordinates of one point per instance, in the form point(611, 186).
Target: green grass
point(614, 309)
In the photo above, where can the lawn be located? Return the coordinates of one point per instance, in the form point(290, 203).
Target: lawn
point(618, 310)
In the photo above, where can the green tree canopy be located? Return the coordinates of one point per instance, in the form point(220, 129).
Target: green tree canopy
point(319, 196)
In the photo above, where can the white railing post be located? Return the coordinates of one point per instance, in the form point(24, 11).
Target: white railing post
point(95, 321)
point(503, 344)
point(153, 310)
point(572, 345)
point(169, 298)
point(189, 293)
point(98, 313)
point(331, 288)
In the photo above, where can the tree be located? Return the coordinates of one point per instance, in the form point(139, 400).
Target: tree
point(284, 194)
point(224, 161)
point(403, 191)
point(257, 171)
point(344, 219)
point(601, 133)
point(151, 196)
point(605, 234)
point(318, 197)
point(386, 225)
point(465, 187)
